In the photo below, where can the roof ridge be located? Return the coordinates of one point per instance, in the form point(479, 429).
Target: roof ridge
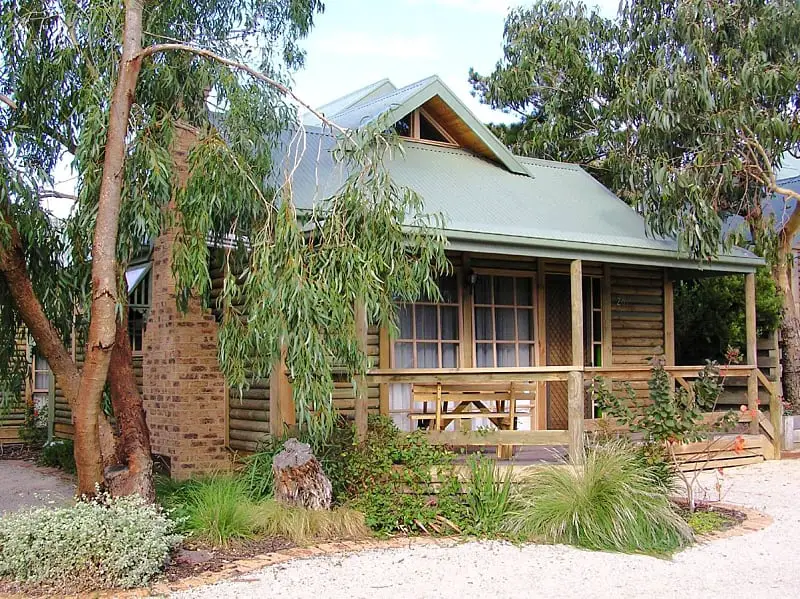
point(381, 98)
point(547, 163)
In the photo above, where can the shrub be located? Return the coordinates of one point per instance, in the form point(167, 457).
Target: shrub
point(303, 525)
point(607, 503)
point(487, 496)
point(58, 453)
point(217, 509)
point(703, 523)
point(104, 543)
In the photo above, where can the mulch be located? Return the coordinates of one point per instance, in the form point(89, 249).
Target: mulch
point(195, 558)
point(18, 451)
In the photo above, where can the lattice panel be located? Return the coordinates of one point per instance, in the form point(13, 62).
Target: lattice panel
point(559, 346)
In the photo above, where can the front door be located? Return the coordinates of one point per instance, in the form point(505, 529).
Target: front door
point(558, 315)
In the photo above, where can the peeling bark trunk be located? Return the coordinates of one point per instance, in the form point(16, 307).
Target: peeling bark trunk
point(103, 326)
point(134, 472)
point(790, 326)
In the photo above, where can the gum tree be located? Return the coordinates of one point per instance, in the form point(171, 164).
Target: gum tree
point(109, 84)
point(684, 108)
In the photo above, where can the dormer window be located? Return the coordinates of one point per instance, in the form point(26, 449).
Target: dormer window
point(419, 125)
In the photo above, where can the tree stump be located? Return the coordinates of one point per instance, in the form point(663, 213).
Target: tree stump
point(299, 479)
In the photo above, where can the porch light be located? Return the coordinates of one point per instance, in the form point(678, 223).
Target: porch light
point(472, 278)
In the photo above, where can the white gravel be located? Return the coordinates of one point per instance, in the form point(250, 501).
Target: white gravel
point(760, 564)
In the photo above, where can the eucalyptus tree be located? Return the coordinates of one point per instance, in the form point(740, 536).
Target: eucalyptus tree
point(684, 108)
point(110, 84)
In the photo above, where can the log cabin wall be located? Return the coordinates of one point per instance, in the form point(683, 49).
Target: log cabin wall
point(637, 317)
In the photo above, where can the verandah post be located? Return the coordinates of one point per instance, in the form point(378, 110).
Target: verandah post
point(575, 398)
point(752, 349)
point(361, 400)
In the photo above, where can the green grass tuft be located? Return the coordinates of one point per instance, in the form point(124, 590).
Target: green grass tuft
point(216, 509)
point(608, 503)
point(302, 526)
point(488, 495)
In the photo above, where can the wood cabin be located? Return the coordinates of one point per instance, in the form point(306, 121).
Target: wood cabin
point(555, 280)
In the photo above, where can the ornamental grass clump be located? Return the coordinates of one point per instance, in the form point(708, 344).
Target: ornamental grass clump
point(104, 543)
point(608, 503)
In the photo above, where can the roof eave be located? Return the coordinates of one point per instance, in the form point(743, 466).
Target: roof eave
point(557, 249)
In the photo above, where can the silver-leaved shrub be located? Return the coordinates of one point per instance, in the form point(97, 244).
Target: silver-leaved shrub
point(104, 543)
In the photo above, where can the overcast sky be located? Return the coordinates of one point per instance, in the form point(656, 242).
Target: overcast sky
point(357, 42)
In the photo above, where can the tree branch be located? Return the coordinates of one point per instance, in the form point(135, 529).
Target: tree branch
point(52, 193)
point(159, 48)
point(8, 101)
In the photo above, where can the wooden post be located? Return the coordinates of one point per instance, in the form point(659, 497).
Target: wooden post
point(361, 399)
point(575, 392)
point(669, 321)
point(776, 417)
point(541, 345)
point(575, 415)
point(752, 348)
point(607, 325)
point(281, 405)
point(576, 295)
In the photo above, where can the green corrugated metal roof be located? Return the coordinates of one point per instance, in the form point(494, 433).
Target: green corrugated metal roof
point(400, 102)
point(531, 207)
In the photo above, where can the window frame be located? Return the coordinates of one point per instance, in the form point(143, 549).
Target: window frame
point(414, 130)
point(533, 343)
point(414, 341)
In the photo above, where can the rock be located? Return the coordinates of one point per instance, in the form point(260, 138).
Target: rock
point(299, 479)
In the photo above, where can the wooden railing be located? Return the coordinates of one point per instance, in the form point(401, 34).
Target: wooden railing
point(766, 424)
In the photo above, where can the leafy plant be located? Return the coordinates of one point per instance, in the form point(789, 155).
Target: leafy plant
point(671, 416)
point(104, 543)
point(607, 503)
point(33, 432)
point(487, 496)
point(58, 453)
point(705, 522)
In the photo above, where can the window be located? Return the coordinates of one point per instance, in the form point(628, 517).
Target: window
point(504, 321)
point(137, 321)
point(421, 126)
point(430, 332)
point(41, 374)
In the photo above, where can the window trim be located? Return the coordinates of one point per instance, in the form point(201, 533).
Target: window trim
point(414, 341)
point(533, 344)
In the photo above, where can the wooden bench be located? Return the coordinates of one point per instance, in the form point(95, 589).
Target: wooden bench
point(472, 401)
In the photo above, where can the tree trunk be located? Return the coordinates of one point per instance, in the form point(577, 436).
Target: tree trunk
point(790, 326)
point(134, 472)
point(299, 479)
point(103, 325)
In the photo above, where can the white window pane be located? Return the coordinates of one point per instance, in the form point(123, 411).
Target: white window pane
point(483, 323)
point(484, 355)
point(506, 354)
point(524, 328)
point(504, 323)
point(503, 291)
point(403, 355)
point(449, 355)
point(525, 355)
point(426, 320)
point(404, 316)
point(449, 318)
point(427, 355)
point(400, 399)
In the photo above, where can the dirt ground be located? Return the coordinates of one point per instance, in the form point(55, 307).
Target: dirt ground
point(23, 484)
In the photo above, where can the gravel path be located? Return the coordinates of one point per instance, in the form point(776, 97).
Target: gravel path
point(758, 564)
point(23, 484)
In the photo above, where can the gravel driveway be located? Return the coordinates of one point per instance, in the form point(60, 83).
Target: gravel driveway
point(23, 484)
point(758, 564)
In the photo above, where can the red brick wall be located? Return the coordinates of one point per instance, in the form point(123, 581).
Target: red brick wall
point(183, 388)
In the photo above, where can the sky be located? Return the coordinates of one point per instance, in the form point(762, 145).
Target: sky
point(357, 42)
